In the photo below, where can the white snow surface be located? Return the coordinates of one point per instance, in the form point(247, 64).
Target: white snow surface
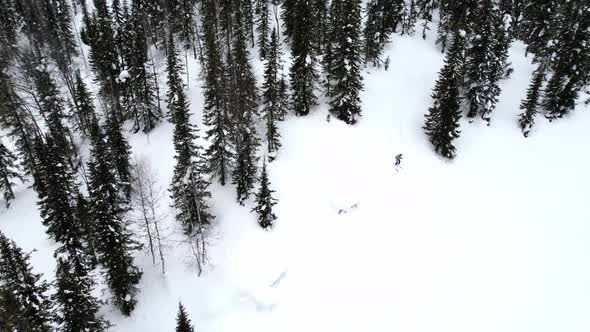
point(497, 240)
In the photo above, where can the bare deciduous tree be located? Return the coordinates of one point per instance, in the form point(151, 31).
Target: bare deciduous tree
point(146, 207)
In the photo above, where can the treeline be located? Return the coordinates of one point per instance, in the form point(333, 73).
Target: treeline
point(48, 110)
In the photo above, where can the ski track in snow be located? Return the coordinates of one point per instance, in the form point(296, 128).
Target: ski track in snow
point(496, 240)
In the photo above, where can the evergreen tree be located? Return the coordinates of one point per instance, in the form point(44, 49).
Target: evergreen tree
point(382, 19)
point(144, 112)
point(455, 15)
point(183, 323)
point(537, 27)
point(51, 106)
point(531, 103)
point(181, 16)
point(321, 21)
point(482, 72)
point(24, 290)
point(9, 23)
point(77, 308)
point(273, 101)
point(265, 201)
point(118, 153)
point(9, 170)
point(303, 75)
point(570, 62)
point(84, 110)
point(189, 187)
point(113, 242)
point(216, 118)
point(346, 62)
point(409, 17)
point(442, 121)
point(263, 26)
point(245, 109)
point(17, 122)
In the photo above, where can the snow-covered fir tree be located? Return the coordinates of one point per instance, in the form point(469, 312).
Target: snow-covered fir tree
point(245, 114)
point(215, 115)
point(273, 101)
point(118, 153)
point(23, 293)
point(84, 110)
point(570, 62)
point(382, 19)
point(409, 17)
point(189, 186)
point(183, 322)
point(303, 75)
point(265, 201)
point(442, 121)
point(9, 172)
point(530, 105)
point(454, 15)
point(142, 107)
point(483, 64)
point(344, 71)
point(114, 243)
point(77, 308)
point(263, 27)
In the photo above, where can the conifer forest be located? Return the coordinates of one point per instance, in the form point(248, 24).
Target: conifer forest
point(294, 165)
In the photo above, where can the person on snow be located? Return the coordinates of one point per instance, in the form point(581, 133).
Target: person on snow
point(398, 159)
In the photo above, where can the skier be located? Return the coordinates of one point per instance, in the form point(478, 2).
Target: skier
point(398, 160)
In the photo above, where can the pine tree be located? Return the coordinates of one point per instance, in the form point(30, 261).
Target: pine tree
point(144, 112)
point(183, 323)
point(409, 18)
point(189, 187)
point(17, 122)
point(113, 242)
point(455, 15)
point(262, 26)
point(303, 75)
point(382, 19)
point(482, 68)
point(345, 69)
point(265, 201)
point(570, 62)
point(84, 110)
point(273, 101)
point(118, 153)
point(530, 105)
point(537, 27)
point(27, 293)
point(52, 107)
point(216, 118)
point(9, 171)
point(442, 121)
point(57, 199)
point(321, 19)
point(77, 308)
point(245, 110)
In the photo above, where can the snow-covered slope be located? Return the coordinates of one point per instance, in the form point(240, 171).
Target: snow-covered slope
point(496, 240)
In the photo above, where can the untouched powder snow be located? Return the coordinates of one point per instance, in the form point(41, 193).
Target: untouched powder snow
point(497, 240)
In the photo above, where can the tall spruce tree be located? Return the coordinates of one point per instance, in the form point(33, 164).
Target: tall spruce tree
point(455, 15)
point(265, 201)
point(189, 186)
point(245, 111)
point(142, 107)
point(536, 28)
point(114, 243)
point(382, 19)
point(570, 62)
point(77, 308)
point(220, 152)
point(442, 121)
point(273, 101)
point(84, 110)
point(303, 74)
point(183, 323)
point(118, 152)
point(482, 79)
point(530, 105)
point(345, 67)
point(24, 291)
point(9, 171)
point(263, 26)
